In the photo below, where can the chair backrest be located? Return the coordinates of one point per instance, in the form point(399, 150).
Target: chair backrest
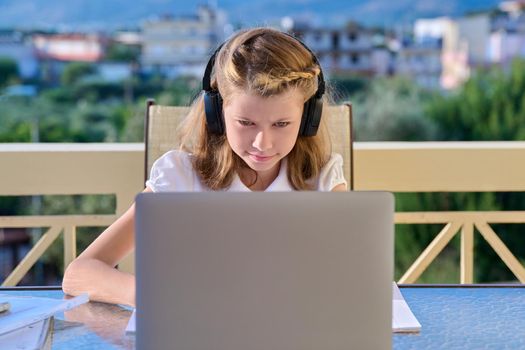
point(163, 121)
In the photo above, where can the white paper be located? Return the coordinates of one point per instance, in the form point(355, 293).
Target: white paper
point(403, 320)
point(30, 337)
point(28, 310)
point(130, 328)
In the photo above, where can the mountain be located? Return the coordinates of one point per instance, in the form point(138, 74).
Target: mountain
point(117, 13)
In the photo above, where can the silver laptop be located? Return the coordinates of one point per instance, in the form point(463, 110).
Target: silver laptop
point(264, 271)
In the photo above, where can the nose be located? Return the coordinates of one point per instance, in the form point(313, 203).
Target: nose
point(262, 141)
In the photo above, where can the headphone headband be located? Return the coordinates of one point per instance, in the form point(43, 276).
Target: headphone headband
point(206, 79)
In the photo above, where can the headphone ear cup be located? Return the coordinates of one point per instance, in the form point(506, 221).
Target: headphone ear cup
point(213, 112)
point(312, 112)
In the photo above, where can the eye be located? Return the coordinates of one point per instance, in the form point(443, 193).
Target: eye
point(281, 124)
point(245, 122)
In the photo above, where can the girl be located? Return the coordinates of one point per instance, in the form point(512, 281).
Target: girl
point(253, 128)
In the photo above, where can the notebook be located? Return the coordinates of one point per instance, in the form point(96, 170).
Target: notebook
point(403, 320)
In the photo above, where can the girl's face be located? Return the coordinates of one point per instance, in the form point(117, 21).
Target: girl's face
point(263, 130)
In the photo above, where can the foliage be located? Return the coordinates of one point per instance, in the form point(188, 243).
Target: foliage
point(13, 205)
point(342, 87)
point(75, 71)
point(392, 110)
point(8, 71)
point(119, 52)
point(491, 106)
point(86, 204)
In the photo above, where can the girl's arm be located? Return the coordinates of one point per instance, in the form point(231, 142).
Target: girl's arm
point(94, 270)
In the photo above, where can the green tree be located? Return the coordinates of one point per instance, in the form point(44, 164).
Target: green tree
point(8, 71)
point(122, 53)
point(392, 110)
point(75, 71)
point(490, 107)
point(179, 92)
point(342, 87)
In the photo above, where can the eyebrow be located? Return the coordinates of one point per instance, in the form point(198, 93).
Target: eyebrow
point(284, 119)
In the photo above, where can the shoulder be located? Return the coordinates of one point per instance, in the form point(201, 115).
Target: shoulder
point(331, 174)
point(335, 158)
point(173, 171)
point(172, 159)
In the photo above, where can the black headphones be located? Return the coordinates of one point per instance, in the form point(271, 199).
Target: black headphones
point(313, 108)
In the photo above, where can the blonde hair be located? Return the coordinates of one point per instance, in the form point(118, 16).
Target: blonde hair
point(266, 62)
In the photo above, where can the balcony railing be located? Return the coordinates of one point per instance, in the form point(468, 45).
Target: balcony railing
point(62, 169)
point(68, 169)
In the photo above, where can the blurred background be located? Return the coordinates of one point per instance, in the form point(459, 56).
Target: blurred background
point(424, 70)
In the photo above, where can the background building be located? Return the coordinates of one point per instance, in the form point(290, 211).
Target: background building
point(352, 50)
point(70, 47)
point(17, 46)
point(182, 45)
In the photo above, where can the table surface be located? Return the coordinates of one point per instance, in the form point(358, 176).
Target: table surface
point(452, 317)
point(88, 326)
point(465, 318)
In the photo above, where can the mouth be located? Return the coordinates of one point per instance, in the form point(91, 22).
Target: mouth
point(260, 159)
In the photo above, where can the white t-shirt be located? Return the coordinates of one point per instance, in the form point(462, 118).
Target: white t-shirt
point(173, 172)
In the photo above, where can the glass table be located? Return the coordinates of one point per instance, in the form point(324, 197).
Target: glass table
point(452, 317)
point(88, 326)
point(465, 317)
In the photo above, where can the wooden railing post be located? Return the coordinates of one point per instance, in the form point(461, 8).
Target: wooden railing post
point(501, 249)
point(430, 253)
point(32, 256)
point(70, 245)
point(467, 253)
